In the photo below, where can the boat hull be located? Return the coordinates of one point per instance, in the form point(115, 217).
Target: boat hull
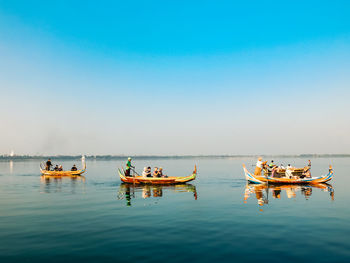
point(61, 173)
point(258, 179)
point(157, 181)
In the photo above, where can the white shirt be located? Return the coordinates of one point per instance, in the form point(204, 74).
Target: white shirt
point(259, 164)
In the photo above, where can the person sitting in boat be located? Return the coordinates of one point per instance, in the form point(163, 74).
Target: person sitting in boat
point(161, 173)
point(147, 172)
point(306, 172)
point(274, 171)
point(128, 167)
point(48, 164)
point(156, 172)
point(270, 166)
point(144, 172)
point(281, 167)
point(56, 168)
point(60, 168)
point(259, 166)
point(289, 171)
point(74, 168)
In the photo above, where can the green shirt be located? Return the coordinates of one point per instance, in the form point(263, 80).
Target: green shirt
point(128, 165)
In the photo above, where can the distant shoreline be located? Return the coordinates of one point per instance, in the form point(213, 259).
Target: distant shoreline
point(145, 157)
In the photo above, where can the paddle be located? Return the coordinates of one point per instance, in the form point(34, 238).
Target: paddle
point(133, 169)
point(133, 179)
point(267, 188)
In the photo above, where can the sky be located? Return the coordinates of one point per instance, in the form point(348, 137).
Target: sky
point(174, 77)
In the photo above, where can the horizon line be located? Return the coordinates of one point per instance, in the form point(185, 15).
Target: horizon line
point(110, 156)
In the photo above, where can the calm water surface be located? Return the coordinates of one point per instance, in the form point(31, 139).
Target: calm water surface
point(217, 217)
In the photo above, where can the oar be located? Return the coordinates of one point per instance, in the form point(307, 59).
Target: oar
point(267, 187)
point(267, 192)
point(135, 172)
point(133, 180)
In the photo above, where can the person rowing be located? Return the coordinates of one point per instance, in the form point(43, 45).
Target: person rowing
point(48, 164)
point(74, 168)
point(128, 167)
point(259, 166)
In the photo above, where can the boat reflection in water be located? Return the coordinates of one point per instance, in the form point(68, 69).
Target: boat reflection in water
point(129, 191)
point(261, 191)
point(54, 184)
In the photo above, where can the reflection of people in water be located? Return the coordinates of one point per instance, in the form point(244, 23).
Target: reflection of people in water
point(54, 183)
point(157, 192)
point(291, 191)
point(307, 192)
point(258, 191)
point(128, 196)
point(126, 192)
point(146, 191)
point(259, 196)
point(276, 193)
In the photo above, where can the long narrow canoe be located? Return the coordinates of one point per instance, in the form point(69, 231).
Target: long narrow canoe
point(155, 180)
point(258, 179)
point(62, 173)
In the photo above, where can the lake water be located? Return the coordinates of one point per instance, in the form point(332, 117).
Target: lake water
point(217, 217)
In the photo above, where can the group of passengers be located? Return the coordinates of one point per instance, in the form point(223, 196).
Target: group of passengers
point(278, 170)
point(147, 171)
point(58, 168)
point(157, 173)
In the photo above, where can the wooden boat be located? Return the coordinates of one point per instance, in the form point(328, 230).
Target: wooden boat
point(258, 179)
point(45, 172)
point(155, 180)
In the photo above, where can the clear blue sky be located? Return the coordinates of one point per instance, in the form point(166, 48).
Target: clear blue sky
point(174, 77)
